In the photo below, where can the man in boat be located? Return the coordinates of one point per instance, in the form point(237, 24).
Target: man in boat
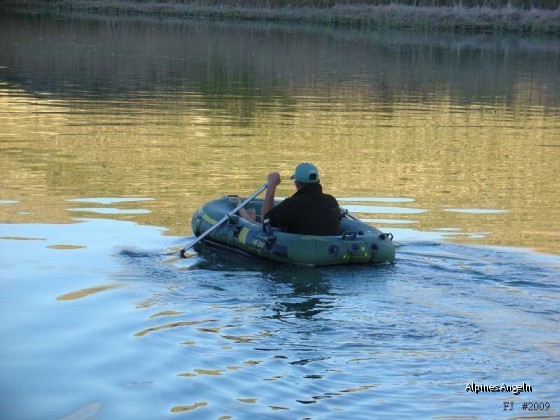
point(308, 212)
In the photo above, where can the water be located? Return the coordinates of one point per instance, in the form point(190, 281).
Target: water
point(112, 132)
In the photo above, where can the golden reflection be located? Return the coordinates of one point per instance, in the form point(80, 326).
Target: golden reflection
point(388, 138)
point(171, 325)
point(166, 313)
point(240, 338)
point(359, 389)
point(145, 304)
point(19, 238)
point(67, 247)
point(78, 294)
point(215, 330)
point(248, 400)
point(498, 164)
point(216, 372)
point(277, 407)
point(183, 408)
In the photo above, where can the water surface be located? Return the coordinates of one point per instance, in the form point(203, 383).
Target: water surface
point(112, 132)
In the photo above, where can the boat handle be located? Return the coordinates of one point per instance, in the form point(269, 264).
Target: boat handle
point(384, 236)
point(349, 235)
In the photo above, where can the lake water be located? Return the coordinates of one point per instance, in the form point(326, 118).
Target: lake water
point(112, 132)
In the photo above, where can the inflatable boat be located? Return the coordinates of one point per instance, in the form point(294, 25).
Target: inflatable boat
point(357, 242)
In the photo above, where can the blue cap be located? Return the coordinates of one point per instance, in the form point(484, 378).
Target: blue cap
point(306, 173)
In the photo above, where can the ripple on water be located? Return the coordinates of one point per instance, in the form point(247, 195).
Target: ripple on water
point(251, 338)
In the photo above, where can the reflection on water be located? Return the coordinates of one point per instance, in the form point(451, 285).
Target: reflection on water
point(183, 112)
point(112, 132)
point(78, 294)
point(117, 329)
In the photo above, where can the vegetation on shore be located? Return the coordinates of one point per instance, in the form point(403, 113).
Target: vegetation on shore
point(451, 15)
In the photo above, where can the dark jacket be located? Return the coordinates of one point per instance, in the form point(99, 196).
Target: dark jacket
point(309, 212)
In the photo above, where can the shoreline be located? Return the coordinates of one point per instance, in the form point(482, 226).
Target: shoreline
point(394, 16)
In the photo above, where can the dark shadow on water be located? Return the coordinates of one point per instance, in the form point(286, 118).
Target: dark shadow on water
point(298, 291)
point(288, 293)
point(231, 60)
point(309, 292)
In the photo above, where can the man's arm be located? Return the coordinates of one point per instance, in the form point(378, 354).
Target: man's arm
point(273, 182)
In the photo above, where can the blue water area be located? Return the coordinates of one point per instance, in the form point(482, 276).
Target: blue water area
point(102, 320)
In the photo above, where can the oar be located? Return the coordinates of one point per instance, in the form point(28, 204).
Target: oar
point(222, 220)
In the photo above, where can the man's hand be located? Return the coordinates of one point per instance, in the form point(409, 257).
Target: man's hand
point(248, 214)
point(273, 179)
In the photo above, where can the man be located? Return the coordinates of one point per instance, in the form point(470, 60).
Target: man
point(309, 211)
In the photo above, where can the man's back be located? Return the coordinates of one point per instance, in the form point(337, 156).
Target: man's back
point(309, 212)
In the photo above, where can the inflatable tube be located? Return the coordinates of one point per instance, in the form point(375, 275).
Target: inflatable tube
point(357, 242)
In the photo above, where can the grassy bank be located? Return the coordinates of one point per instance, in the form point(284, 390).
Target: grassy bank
point(335, 13)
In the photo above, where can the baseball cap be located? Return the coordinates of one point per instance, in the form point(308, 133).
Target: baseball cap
point(306, 173)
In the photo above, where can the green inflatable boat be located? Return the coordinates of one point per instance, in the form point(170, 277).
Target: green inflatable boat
point(357, 241)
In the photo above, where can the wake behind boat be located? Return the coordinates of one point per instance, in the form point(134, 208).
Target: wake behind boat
point(356, 242)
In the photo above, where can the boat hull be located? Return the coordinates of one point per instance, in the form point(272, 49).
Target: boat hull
point(357, 243)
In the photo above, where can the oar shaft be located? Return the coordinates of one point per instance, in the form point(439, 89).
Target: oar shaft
point(223, 219)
